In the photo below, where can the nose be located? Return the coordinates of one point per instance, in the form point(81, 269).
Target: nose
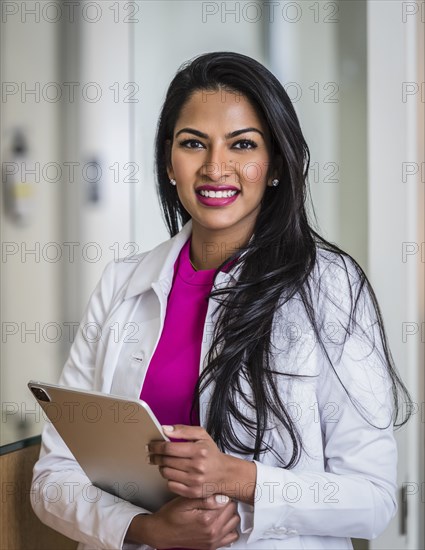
point(217, 165)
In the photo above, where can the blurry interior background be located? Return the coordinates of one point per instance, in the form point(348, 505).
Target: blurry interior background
point(82, 87)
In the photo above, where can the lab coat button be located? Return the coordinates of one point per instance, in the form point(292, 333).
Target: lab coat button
point(276, 531)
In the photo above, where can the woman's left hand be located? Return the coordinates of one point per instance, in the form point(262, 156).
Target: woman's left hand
point(195, 468)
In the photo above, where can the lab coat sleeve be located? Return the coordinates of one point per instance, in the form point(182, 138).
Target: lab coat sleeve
point(61, 494)
point(355, 495)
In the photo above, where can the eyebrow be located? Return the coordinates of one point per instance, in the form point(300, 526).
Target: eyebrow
point(227, 136)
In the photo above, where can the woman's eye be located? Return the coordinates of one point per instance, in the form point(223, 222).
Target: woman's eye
point(187, 141)
point(252, 144)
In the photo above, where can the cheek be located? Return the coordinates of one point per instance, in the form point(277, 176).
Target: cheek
point(183, 164)
point(178, 166)
point(254, 171)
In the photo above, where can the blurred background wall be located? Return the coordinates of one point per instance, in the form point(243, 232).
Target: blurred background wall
point(82, 87)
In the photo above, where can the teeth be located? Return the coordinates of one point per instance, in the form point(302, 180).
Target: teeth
point(217, 194)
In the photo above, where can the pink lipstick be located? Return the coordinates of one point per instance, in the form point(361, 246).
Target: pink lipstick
point(221, 195)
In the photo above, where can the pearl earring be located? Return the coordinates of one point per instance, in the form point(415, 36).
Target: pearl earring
point(173, 182)
point(275, 182)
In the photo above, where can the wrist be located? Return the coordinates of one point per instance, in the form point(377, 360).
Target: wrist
point(239, 478)
point(142, 530)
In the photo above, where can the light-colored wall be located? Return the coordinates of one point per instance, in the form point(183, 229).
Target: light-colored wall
point(91, 50)
point(396, 225)
point(352, 129)
point(104, 133)
point(30, 285)
point(318, 51)
point(303, 54)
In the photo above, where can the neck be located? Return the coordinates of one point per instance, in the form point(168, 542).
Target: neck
point(209, 249)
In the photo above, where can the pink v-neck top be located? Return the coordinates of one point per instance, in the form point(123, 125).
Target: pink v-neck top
point(174, 368)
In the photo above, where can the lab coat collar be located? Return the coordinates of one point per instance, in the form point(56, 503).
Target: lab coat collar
point(157, 266)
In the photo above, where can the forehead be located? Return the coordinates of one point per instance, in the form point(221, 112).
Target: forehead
point(220, 107)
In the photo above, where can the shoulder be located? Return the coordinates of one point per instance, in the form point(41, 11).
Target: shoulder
point(339, 291)
point(336, 276)
point(334, 267)
point(129, 277)
point(122, 269)
point(117, 274)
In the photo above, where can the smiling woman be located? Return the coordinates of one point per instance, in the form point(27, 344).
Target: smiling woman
point(218, 169)
point(267, 364)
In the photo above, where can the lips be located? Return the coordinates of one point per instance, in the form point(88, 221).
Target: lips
point(218, 190)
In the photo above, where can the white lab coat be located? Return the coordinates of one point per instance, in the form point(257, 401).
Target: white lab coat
point(344, 486)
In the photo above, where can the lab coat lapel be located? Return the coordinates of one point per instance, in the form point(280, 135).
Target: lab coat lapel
point(157, 265)
point(150, 285)
point(143, 311)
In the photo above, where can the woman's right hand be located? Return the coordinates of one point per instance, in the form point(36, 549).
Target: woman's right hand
point(201, 524)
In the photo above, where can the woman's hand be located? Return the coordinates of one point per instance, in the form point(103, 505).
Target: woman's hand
point(193, 469)
point(203, 524)
point(197, 468)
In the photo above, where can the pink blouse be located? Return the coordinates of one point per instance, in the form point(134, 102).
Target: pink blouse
point(174, 368)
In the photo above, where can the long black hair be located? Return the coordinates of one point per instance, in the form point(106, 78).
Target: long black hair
point(279, 263)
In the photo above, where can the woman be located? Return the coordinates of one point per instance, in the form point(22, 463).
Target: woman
point(268, 362)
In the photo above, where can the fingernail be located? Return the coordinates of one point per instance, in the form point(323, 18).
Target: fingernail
point(148, 459)
point(221, 499)
point(147, 448)
point(168, 428)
